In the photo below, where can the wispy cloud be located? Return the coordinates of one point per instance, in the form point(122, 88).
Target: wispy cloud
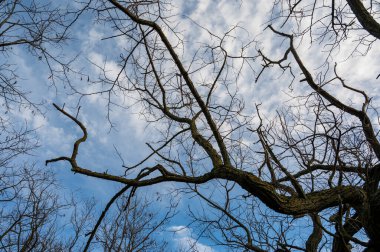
point(184, 241)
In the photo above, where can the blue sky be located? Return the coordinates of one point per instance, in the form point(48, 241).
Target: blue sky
point(130, 131)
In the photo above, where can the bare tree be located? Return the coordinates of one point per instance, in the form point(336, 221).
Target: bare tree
point(34, 217)
point(32, 213)
point(134, 226)
point(30, 205)
point(331, 22)
point(36, 28)
point(318, 158)
point(40, 27)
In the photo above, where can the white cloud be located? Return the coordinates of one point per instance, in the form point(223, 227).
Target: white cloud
point(181, 231)
point(183, 239)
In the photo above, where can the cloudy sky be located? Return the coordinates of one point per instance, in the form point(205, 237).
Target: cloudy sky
point(128, 132)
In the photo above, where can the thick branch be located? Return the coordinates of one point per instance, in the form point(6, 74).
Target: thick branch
point(350, 228)
point(365, 18)
point(293, 205)
point(316, 236)
point(265, 191)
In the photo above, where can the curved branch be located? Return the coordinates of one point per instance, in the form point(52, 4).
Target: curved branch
point(316, 236)
point(365, 18)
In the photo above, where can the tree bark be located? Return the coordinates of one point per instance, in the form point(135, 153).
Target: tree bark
point(365, 18)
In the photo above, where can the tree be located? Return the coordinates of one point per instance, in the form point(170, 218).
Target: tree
point(318, 157)
point(133, 227)
point(34, 217)
point(33, 214)
point(333, 22)
point(39, 28)
point(27, 208)
point(31, 211)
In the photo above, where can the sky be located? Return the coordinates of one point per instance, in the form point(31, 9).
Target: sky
point(129, 132)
